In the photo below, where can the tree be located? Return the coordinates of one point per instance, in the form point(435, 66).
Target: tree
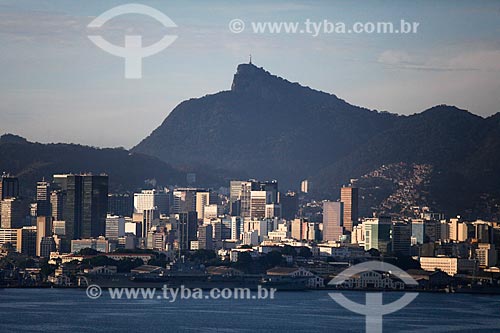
point(374, 252)
point(289, 250)
point(88, 252)
point(7, 246)
point(305, 252)
point(202, 255)
point(244, 258)
point(273, 259)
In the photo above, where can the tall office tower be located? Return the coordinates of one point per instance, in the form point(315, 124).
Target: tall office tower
point(432, 230)
point(115, 226)
point(349, 196)
point(297, 229)
point(235, 187)
point(151, 199)
point(43, 229)
point(59, 228)
point(271, 188)
point(13, 213)
point(9, 187)
point(120, 204)
point(418, 230)
point(43, 207)
point(258, 204)
point(401, 238)
point(57, 199)
point(273, 210)
point(205, 237)
point(211, 212)
point(235, 192)
point(27, 241)
point(310, 231)
point(304, 186)
point(483, 232)
point(47, 245)
point(202, 200)
point(147, 219)
point(236, 227)
point(187, 229)
point(216, 231)
point(226, 228)
point(289, 205)
point(378, 234)
point(95, 206)
point(463, 231)
point(184, 200)
point(333, 224)
point(85, 204)
point(453, 227)
point(243, 189)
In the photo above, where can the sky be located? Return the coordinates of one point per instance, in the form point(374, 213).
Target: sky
point(57, 86)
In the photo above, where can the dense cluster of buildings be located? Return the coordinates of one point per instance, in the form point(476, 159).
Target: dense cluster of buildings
point(75, 212)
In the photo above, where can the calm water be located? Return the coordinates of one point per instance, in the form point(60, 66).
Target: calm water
point(58, 310)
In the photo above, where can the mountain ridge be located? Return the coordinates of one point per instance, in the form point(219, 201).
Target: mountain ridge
point(268, 127)
point(32, 161)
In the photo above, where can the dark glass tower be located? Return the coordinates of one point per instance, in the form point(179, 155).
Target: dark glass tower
point(85, 204)
point(43, 207)
point(188, 228)
point(9, 187)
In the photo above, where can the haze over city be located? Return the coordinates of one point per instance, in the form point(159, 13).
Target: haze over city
point(56, 86)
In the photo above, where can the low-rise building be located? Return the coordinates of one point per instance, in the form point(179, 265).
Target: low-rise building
point(450, 266)
point(313, 281)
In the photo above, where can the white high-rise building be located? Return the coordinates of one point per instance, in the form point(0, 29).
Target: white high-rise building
point(258, 204)
point(202, 200)
point(151, 199)
point(236, 227)
point(304, 186)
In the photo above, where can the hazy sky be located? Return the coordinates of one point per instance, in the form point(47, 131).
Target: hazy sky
point(56, 86)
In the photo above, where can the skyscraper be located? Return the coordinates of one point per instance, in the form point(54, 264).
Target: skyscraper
point(333, 220)
point(242, 191)
point(9, 187)
point(120, 204)
point(378, 234)
point(13, 213)
point(187, 230)
point(289, 205)
point(43, 229)
point(401, 238)
point(57, 199)
point(85, 204)
point(43, 207)
point(184, 200)
point(349, 197)
point(205, 234)
point(258, 204)
point(202, 200)
point(304, 186)
point(151, 199)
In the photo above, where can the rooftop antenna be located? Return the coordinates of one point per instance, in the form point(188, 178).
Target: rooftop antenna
point(250, 62)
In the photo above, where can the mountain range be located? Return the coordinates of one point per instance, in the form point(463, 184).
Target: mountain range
point(31, 162)
point(266, 127)
point(269, 128)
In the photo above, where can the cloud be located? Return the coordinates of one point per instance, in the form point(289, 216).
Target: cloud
point(480, 60)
